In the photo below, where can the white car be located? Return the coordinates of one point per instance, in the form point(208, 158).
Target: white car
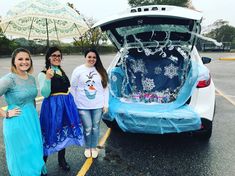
point(158, 82)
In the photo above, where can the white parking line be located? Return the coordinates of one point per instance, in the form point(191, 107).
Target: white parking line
point(225, 96)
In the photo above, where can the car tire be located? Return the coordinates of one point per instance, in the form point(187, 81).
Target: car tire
point(206, 132)
point(207, 127)
point(111, 124)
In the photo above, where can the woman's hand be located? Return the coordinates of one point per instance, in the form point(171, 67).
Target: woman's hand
point(13, 112)
point(105, 109)
point(49, 73)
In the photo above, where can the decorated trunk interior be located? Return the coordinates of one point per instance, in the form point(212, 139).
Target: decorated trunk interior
point(150, 78)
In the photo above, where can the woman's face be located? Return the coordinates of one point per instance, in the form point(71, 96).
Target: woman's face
point(90, 59)
point(22, 62)
point(55, 58)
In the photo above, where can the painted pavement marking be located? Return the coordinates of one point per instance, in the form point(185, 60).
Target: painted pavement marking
point(226, 97)
point(89, 161)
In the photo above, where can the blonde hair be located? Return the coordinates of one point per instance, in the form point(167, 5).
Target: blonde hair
point(13, 56)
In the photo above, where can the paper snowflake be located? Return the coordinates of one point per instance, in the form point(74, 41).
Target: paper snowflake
point(138, 66)
point(148, 84)
point(171, 71)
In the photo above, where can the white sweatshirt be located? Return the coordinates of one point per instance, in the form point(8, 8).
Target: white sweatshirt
point(87, 89)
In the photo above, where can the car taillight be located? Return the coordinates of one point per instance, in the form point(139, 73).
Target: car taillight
point(204, 83)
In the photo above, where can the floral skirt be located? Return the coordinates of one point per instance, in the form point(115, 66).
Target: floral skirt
point(60, 123)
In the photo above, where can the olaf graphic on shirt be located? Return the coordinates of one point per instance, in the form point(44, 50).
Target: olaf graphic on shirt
point(90, 89)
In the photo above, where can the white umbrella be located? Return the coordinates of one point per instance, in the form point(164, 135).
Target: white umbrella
point(43, 19)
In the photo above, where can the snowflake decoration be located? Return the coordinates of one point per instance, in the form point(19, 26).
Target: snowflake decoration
point(148, 84)
point(171, 71)
point(173, 58)
point(138, 66)
point(114, 78)
point(157, 70)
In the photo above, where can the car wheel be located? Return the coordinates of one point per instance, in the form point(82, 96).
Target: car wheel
point(207, 127)
point(206, 132)
point(111, 124)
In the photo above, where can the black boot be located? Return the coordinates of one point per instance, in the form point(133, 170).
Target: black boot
point(62, 162)
point(45, 160)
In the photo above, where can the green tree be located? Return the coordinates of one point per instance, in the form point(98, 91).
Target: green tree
point(6, 45)
point(183, 3)
point(1, 32)
point(220, 22)
point(224, 33)
point(221, 31)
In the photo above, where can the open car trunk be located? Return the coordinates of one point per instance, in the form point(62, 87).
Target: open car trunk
point(155, 74)
point(155, 43)
point(148, 93)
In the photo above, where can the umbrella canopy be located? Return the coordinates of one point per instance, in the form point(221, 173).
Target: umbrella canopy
point(43, 19)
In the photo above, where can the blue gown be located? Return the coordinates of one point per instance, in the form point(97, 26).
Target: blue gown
point(22, 134)
point(60, 122)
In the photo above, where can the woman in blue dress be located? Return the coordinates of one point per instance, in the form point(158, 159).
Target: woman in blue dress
point(21, 127)
point(60, 123)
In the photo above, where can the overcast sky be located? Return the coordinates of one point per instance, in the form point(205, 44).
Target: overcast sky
point(98, 9)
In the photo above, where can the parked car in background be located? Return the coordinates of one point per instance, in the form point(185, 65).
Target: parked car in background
point(207, 46)
point(158, 82)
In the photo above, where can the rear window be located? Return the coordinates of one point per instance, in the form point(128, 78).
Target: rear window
point(152, 30)
point(147, 33)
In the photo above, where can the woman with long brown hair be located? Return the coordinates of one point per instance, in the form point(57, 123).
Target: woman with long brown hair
point(89, 86)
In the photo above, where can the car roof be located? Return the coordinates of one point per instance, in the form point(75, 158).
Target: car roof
point(153, 10)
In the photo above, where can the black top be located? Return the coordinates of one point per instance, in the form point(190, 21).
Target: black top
point(59, 83)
